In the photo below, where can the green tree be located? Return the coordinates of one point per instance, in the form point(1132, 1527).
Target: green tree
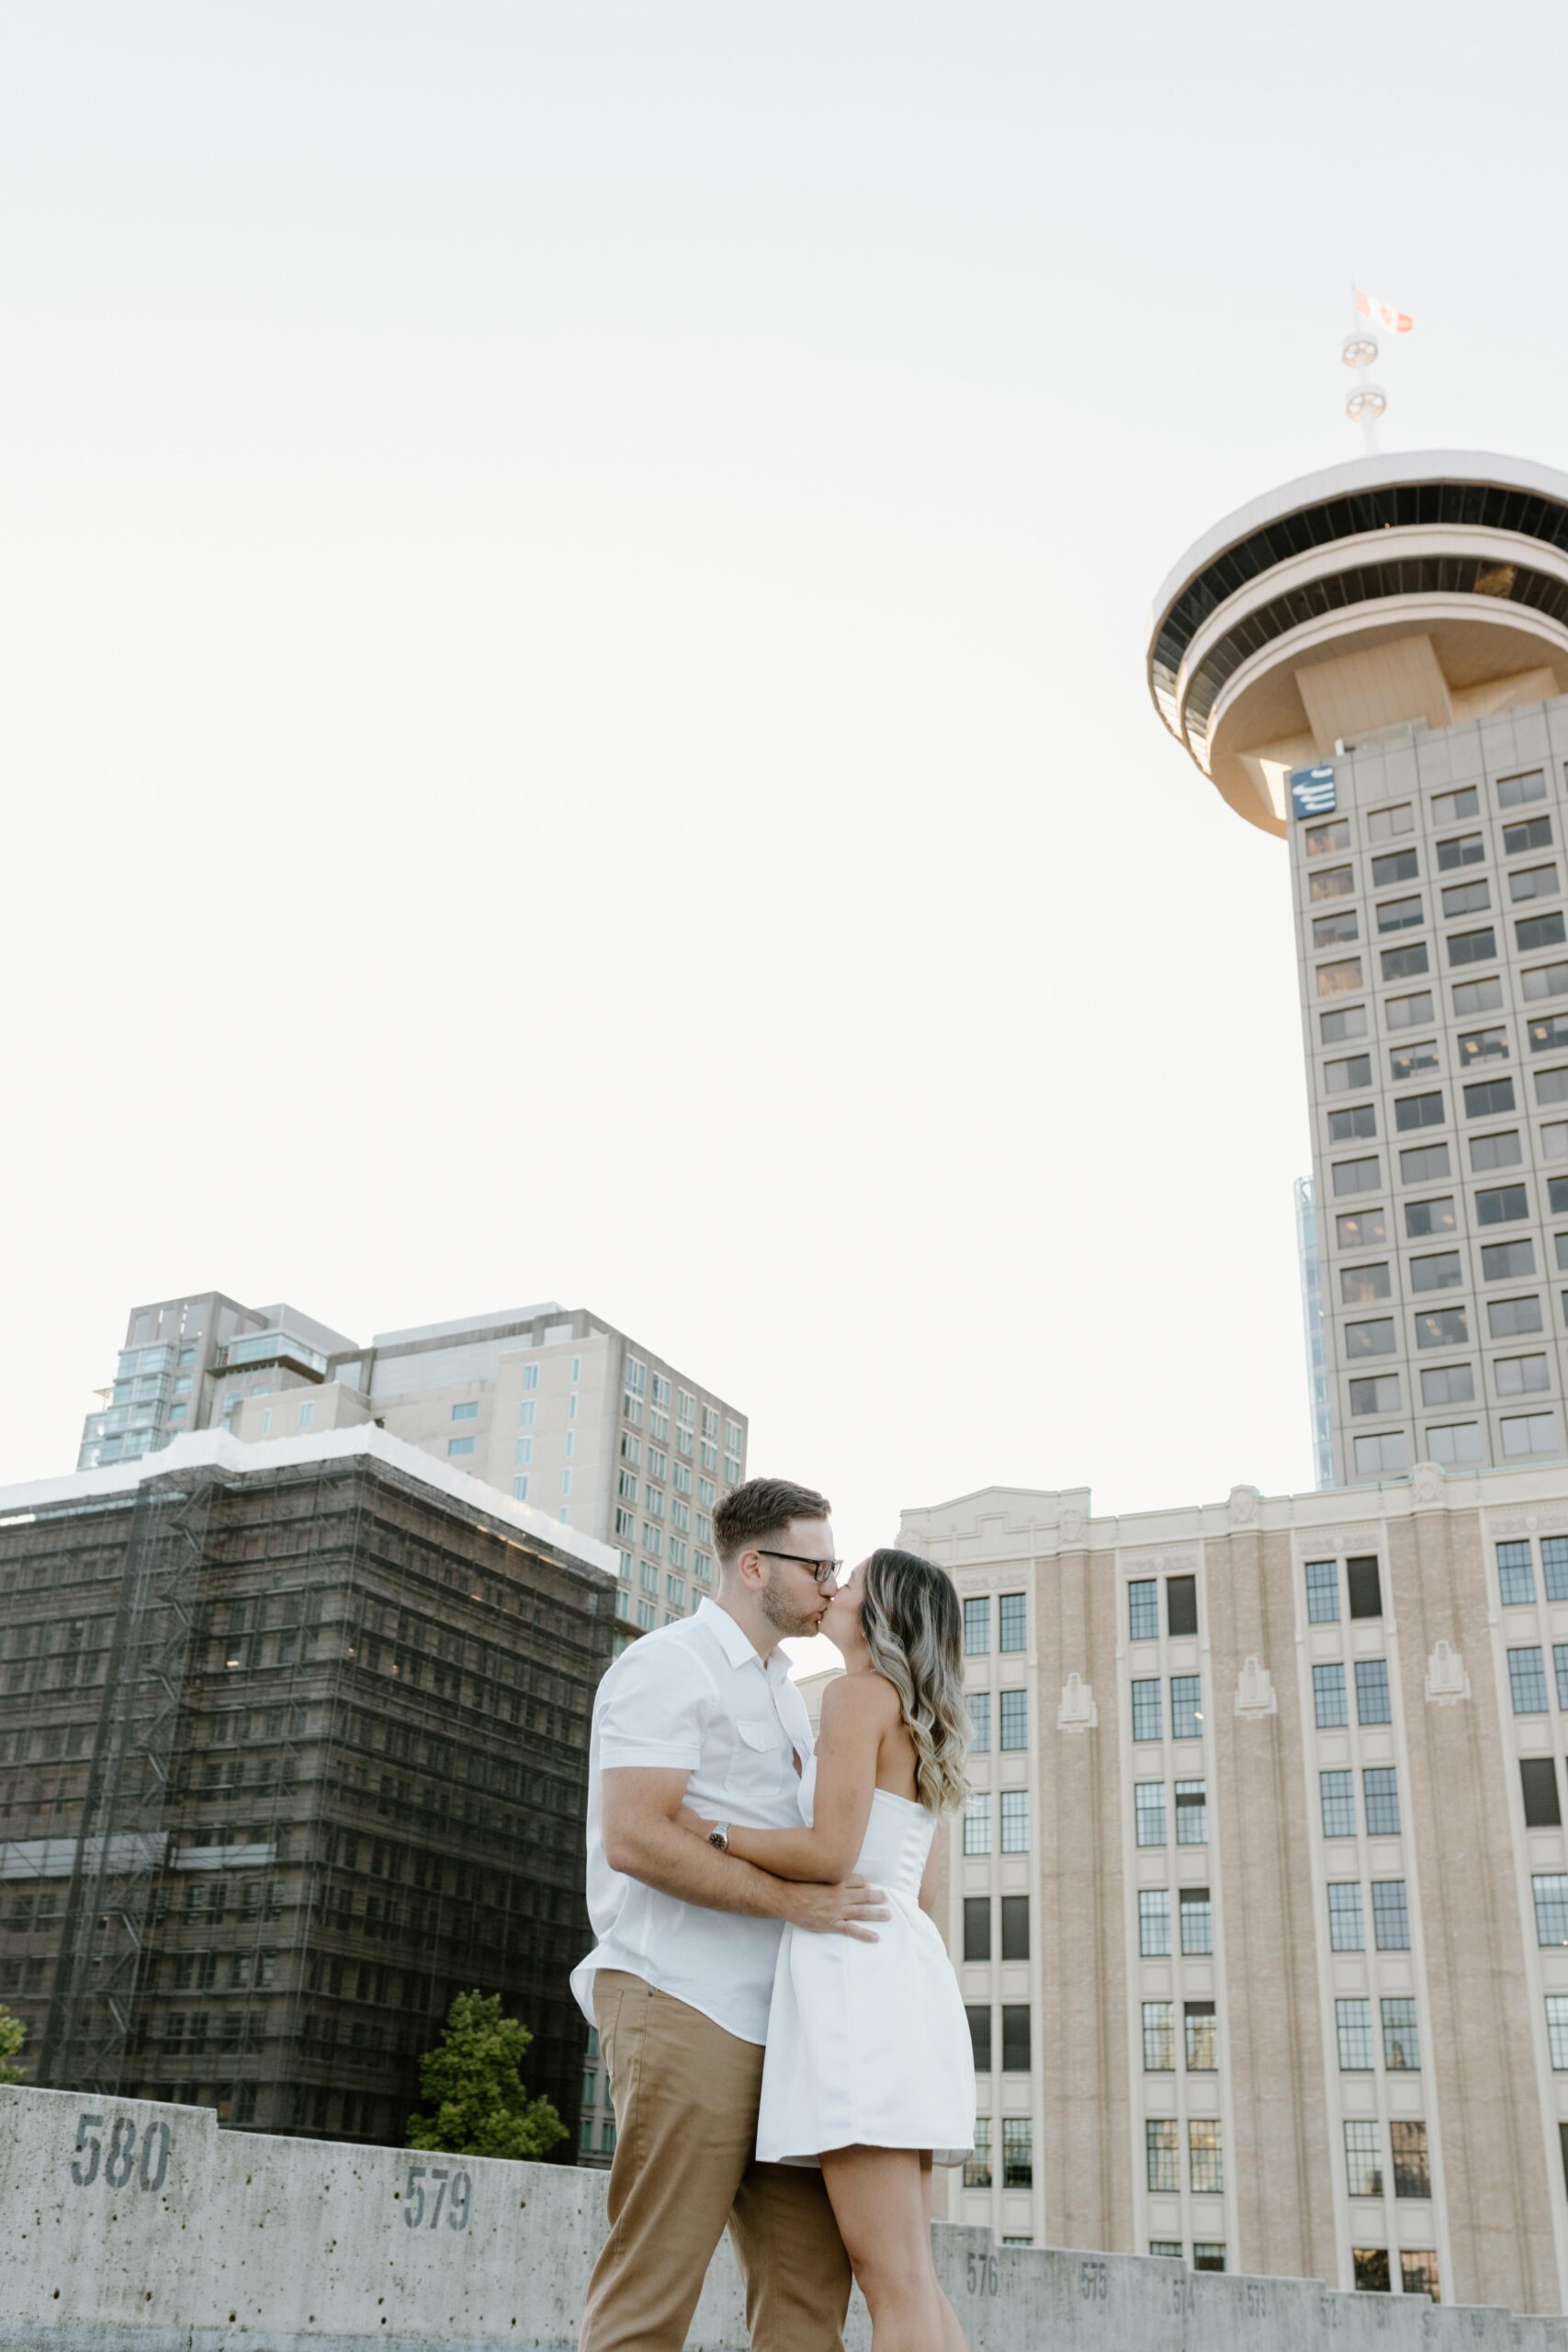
point(13, 2033)
point(473, 2080)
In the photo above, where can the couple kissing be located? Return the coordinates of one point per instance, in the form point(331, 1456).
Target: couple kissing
point(787, 2044)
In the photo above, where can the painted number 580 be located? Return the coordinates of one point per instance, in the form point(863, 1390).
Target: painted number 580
point(119, 2160)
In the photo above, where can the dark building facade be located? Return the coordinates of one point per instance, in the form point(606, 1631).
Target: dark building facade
point(289, 1755)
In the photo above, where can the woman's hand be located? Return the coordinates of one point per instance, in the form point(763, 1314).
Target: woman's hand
point(689, 1818)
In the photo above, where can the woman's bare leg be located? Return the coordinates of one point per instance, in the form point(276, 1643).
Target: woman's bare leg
point(953, 2335)
point(881, 2205)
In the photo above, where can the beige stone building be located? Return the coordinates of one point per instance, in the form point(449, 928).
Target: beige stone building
point(1261, 1905)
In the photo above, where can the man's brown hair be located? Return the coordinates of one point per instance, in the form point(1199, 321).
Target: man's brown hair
point(762, 1507)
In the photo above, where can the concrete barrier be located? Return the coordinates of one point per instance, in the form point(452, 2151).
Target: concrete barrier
point(133, 2227)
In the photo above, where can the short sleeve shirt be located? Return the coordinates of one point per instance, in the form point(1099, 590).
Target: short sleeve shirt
point(695, 1697)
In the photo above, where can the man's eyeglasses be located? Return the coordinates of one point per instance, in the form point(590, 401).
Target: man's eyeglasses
point(826, 1572)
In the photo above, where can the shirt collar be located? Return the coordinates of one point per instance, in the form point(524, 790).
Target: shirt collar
point(735, 1643)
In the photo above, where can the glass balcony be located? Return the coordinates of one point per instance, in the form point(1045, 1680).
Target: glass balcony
point(135, 1360)
point(273, 1347)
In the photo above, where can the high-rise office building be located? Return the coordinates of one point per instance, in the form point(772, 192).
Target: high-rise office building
point(1372, 664)
point(1260, 1905)
point(294, 1747)
point(552, 1404)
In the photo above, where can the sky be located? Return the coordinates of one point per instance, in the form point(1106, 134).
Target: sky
point(574, 582)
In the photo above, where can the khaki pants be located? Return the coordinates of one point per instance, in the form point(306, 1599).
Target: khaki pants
point(685, 2095)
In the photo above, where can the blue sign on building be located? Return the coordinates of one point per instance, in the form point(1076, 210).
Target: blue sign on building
point(1311, 792)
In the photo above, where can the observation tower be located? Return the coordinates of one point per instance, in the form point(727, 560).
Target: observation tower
point(1372, 661)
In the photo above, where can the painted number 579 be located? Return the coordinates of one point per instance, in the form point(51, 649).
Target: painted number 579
point(448, 2193)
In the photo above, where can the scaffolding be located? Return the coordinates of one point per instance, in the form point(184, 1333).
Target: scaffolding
point(122, 1834)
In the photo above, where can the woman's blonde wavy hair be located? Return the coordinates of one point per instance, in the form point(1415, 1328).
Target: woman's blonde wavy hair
point(914, 1630)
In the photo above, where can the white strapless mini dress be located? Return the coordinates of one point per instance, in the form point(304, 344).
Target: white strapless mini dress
point(868, 2044)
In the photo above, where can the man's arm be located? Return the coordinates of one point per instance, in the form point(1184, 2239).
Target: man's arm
point(639, 1827)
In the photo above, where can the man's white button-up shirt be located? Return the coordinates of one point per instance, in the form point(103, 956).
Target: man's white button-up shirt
point(696, 1698)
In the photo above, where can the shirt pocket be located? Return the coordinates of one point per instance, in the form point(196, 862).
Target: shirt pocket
point(760, 1766)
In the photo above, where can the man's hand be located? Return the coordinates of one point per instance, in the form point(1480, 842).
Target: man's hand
point(833, 1910)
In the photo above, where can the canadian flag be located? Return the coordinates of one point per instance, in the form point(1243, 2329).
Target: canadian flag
point(1396, 321)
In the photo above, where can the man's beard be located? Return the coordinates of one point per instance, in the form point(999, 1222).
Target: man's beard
point(778, 1612)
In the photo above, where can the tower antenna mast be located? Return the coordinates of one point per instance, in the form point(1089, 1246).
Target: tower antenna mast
point(1367, 400)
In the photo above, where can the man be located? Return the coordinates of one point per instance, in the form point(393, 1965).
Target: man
point(681, 1979)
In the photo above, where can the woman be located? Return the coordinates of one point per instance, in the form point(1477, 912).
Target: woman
point(868, 2069)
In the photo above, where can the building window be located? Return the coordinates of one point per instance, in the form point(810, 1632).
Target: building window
point(977, 2163)
point(1369, 1339)
point(1405, 1011)
point(1363, 2159)
point(1197, 1919)
point(1337, 930)
point(1530, 1433)
point(466, 1412)
point(1527, 1680)
point(1205, 2157)
point(1167, 2248)
point(1379, 1787)
point(1015, 1821)
point(1488, 1098)
point(1191, 1814)
point(1532, 882)
point(1185, 1706)
point(977, 1823)
point(1418, 2273)
point(1208, 2254)
point(1400, 2042)
point(1361, 1229)
point(646, 1615)
point(1347, 1077)
point(1371, 1691)
point(1538, 1784)
point(1323, 1592)
point(1519, 1375)
point(1328, 1697)
point(1203, 2038)
point(1412, 2172)
point(1322, 839)
point(1424, 1163)
point(1012, 1611)
point(1449, 1384)
point(1516, 1575)
point(1500, 1150)
point(1442, 1326)
point(1149, 1811)
point(1357, 1175)
point(977, 1627)
point(1556, 2029)
point(1370, 2266)
point(1353, 2025)
point(1413, 1111)
point(1018, 2163)
point(1362, 1286)
point(1405, 963)
point(1454, 1441)
point(1472, 947)
point(1340, 979)
point(979, 2016)
point(1159, 2037)
point(1154, 1922)
point(1143, 1610)
point(519, 1490)
point(1015, 1927)
point(1532, 932)
point(1015, 1720)
point(1365, 1589)
point(1358, 1124)
point(1391, 1915)
point(976, 1926)
point(530, 1375)
point(1465, 899)
point(1149, 1714)
point(1390, 1451)
point(1551, 1891)
point(1409, 1061)
point(1443, 1270)
point(1345, 1930)
point(1180, 1606)
point(1506, 1260)
point(1452, 807)
point(525, 1416)
point(1015, 2038)
point(1398, 915)
point(460, 1445)
point(1337, 1795)
point(1163, 2156)
point(1378, 1394)
point(979, 1705)
point(1560, 1661)
point(1345, 1021)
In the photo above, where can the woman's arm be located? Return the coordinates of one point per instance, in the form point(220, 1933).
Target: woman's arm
point(856, 1709)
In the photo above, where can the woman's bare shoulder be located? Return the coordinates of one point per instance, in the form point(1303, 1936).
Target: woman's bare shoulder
point(860, 1698)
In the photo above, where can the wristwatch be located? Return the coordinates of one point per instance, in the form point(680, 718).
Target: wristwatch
point(719, 1836)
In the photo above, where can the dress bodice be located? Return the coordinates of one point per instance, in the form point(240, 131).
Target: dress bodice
point(898, 1840)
